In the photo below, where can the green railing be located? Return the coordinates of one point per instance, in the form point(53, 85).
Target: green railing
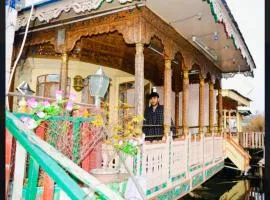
point(55, 164)
point(55, 125)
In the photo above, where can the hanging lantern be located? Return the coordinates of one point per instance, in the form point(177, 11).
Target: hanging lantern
point(25, 89)
point(98, 85)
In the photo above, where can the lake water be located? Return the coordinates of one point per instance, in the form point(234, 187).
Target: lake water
point(229, 185)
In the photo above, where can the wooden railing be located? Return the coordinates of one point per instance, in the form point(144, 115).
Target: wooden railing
point(252, 139)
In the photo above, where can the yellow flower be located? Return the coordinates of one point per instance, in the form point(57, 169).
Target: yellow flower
point(98, 121)
point(137, 119)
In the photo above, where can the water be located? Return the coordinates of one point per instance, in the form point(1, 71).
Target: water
point(228, 184)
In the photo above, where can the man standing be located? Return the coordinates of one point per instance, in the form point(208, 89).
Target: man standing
point(153, 115)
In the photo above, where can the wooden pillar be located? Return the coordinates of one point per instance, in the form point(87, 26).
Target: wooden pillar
point(139, 79)
point(229, 120)
point(225, 120)
point(167, 97)
point(185, 102)
point(177, 111)
point(201, 105)
point(64, 74)
point(220, 110)
point(211, 106)
point(237, 121)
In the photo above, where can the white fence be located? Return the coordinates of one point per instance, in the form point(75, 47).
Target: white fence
point(162, 161)
point(252, 139)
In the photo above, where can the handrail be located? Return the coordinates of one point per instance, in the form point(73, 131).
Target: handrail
point(246, 155)
point(48, 98)
point(15, 125)
point(65, 182)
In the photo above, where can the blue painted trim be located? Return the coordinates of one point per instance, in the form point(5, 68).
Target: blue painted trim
point(40, 4)
point(12, 3)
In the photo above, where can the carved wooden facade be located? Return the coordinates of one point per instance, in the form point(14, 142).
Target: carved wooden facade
point(128, 28)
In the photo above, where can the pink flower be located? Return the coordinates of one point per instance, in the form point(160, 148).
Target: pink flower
point(29, 122)
point(46, 104)
point(69, 106)
point(72, 96)
point(59, 95)
point(24, 119)
point(32, 103)
point(40, 114)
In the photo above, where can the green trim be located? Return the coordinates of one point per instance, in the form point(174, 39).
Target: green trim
point(234, 42)
point(76, 141)
point(208, 163)
point(210, 172)
point(65, 182)
point(57, 118)
point(32, 179)
point(198, 179)
point(212, 10)
point(175, 192)
point(156, 188)
point(40, 190)
point(179, 177)
point(195, 168)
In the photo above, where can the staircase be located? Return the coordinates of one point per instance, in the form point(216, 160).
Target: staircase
point(236, 153)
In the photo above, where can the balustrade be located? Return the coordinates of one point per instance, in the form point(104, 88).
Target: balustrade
point(252, 139)
point(173, 161)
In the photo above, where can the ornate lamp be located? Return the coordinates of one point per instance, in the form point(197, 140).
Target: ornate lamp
point(24, 89)
point(99, 83)
point(78, 84)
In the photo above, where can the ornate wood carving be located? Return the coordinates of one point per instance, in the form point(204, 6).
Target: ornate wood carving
point(134, 26)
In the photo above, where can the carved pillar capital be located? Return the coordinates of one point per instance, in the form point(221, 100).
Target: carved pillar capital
point(188, 60)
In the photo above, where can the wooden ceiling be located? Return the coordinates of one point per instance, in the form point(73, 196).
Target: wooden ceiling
point(110, 50)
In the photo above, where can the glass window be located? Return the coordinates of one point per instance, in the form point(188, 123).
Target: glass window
point(48, 84)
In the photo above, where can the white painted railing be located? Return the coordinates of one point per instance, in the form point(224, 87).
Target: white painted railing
point(178, 157)
point(173, 161)
point(208, 149)
point(252, 139)
point(155, 164)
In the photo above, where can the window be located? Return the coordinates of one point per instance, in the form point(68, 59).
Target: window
point(48, 84)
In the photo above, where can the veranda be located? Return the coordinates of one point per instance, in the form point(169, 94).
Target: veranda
point(139, 51)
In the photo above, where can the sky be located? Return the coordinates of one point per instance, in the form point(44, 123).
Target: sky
point(249, 15)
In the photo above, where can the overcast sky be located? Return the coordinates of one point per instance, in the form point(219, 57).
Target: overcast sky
point(249, 15)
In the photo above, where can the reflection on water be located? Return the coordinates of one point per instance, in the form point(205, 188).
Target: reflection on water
point(228, 186)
